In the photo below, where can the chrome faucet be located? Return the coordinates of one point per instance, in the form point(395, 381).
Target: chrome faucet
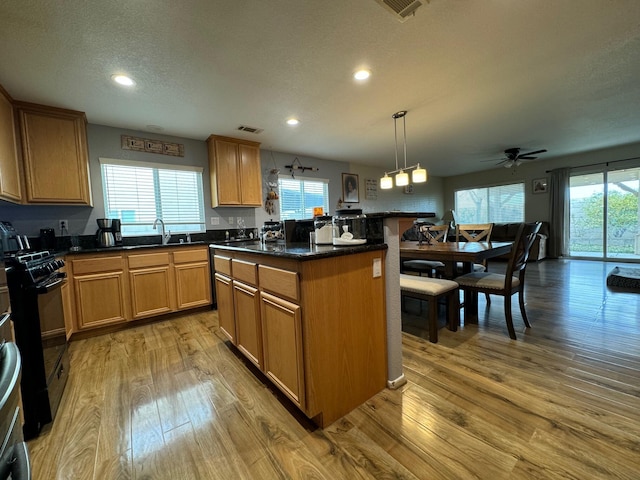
point(165, 236)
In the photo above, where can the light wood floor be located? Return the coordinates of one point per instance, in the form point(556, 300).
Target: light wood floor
point(171, 400)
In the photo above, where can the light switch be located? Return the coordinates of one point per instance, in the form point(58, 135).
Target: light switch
point(377, 267)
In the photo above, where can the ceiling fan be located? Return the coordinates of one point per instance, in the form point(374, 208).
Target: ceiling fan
point(513, 157)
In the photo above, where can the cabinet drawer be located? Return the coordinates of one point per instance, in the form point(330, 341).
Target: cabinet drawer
point(245, 271)
point(142, 260)
point(222, 264)
point(186, 256)
point(280, 282)
point(97, 264)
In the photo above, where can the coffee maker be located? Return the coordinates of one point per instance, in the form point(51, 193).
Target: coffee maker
point(104, 235)
point(116, 228)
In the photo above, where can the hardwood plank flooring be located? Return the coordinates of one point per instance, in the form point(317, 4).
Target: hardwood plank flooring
point(173, 400)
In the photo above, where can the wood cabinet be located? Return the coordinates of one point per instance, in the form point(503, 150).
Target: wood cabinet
point(111, 288)
point(321, 324)
point(192, 277)
point(100, 290)
point(226, 315)
point(10, 178)
point(150, 282)
point(282, 337)
point(234, 167)
point(55, 155)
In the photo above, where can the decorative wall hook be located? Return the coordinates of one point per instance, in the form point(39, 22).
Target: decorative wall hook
point(296, 165)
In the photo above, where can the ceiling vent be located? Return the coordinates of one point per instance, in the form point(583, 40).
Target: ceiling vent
point(401, 9)
point(245, 128)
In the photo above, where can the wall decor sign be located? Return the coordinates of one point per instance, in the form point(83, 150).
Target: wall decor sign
point(152, 146)
point(539, 185)
point(371, 189)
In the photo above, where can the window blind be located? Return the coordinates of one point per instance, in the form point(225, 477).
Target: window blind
point(298, 197)
point(137, 193)
point(502, 203)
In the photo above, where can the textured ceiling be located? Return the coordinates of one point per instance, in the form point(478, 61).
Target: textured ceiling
point(476, 76)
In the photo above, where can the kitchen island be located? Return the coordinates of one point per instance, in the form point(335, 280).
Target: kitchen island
point(311, 318)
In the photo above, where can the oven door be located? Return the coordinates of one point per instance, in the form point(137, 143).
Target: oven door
point(54, 339)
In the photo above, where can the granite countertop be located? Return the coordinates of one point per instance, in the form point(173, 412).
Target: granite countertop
point(297, 251)
point(119, 248)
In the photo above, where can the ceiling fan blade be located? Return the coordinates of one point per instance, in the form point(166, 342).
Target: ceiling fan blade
point(531, 153)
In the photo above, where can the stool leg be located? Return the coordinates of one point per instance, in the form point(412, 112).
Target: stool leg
point(433, 319)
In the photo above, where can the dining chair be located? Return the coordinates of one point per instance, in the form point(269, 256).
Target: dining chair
point(432, 233)
point(432, 290)
point(507, 284)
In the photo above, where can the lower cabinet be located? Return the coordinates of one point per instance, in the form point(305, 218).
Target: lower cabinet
point(248, 324)
point(100, 299)
point(100, 290)
point(111, 288)
point(226, 315)
point(150, 284)
point(192, 278)
point(282, 337)
point(305, 325)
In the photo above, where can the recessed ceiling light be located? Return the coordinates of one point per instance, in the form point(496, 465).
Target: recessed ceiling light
point(293, 121)
point(123, 80)
point(362, 74)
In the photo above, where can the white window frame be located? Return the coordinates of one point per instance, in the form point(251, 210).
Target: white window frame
point(187, 217)
point(307, 210)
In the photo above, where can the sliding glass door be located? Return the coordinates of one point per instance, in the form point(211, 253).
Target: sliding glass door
point(605, 214)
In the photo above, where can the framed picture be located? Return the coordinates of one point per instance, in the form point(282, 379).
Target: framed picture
point(540, 185)
point(350, 193)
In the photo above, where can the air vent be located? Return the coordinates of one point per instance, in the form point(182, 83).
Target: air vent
point(245, 128)
point(401, 9)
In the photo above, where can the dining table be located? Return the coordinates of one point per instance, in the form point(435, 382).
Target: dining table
point(450, 253)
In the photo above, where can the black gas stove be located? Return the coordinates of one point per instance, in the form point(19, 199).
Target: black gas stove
point(35, 281)
point(35, 270)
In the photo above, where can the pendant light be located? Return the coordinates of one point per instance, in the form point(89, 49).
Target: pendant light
point(419, 175)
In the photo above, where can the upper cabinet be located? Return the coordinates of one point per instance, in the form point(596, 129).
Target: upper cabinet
point(10, 183)
point(55, 155)
point(234, 166)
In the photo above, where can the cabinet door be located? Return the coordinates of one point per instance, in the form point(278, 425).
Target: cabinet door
point(193, 285)
point(248, 325)
point(54, 145)
point(100, 299)
point(150, 291)
point(10, 182)
point(282, 340)
point(250, 175)
point(227, 173)
point(226, 314)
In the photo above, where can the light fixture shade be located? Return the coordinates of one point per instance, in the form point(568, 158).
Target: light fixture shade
point(402, 179)
point(386, 182)
point(419, 175)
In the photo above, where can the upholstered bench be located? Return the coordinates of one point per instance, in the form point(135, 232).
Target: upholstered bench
point(431, 290)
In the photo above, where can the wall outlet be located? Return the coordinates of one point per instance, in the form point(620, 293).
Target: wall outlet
point(63, 225)
point(377, 267)
point(215, 220)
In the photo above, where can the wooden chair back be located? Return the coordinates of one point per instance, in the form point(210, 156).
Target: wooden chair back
point(474, 232)
point(438, 233)
point(522, 246)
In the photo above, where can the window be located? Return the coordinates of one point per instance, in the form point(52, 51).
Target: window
point(299, 195)
point(138, 192)
point(503, 203)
